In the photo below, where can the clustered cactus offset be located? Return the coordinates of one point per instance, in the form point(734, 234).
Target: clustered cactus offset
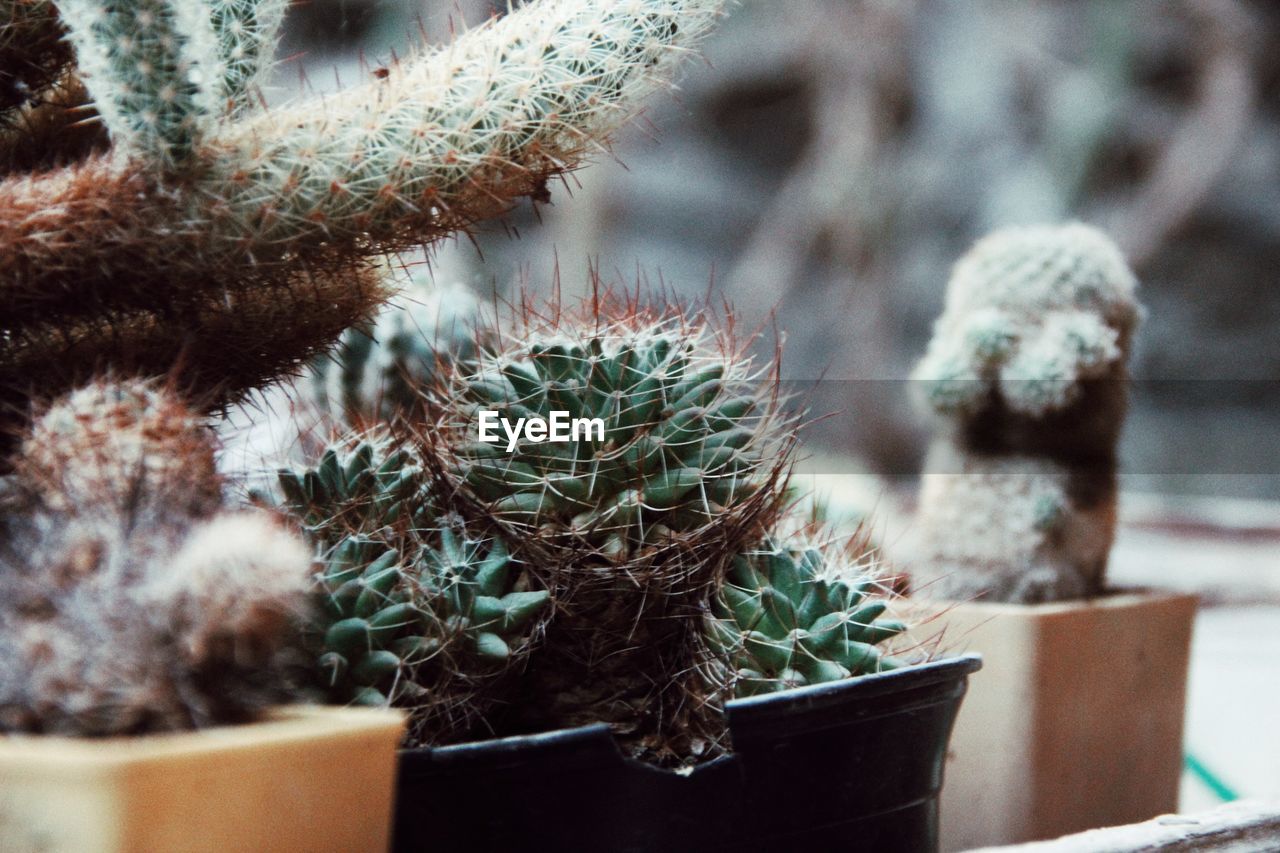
point(1027, 376)
point(410, 609)
point(232, 242)
point(801, 612)
point(130, 599)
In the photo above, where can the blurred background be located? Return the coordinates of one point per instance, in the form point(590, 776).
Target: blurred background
point(828, 161)
point(831, 159)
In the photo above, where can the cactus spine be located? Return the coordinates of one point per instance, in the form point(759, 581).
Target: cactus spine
point(1027, 375)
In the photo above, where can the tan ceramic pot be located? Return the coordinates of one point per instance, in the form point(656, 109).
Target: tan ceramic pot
point(1074, 721)
point(306, 779)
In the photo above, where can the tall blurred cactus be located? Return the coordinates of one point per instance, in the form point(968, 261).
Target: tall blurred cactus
point(1027, 375)
point(378, 371)
point(234, 241)
point(130, 600)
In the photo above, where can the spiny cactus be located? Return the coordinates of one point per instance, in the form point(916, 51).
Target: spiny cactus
point(1027, 374)
point(793, 613)
point(129, 445)
point(33, 55)
point(215, 218)
point(128, 602)
point(379, 373)
point(685, 432)
point(629, 526)
point(411, 610)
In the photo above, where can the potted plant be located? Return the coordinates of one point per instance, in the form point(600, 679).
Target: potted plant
point(141, 621)
point(1076, 721)
point(628, 618)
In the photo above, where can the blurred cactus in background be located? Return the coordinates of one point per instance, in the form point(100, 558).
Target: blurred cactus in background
point(1027, 374)
point(814, 167)
point(231, 243)
point(377, 372)
point(130, 600)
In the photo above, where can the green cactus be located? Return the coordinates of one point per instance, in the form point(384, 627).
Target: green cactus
point(788, 616)
point(631, 525)
point(410, 610)
point(682, 433)
point(394, 628)
point(379, 373)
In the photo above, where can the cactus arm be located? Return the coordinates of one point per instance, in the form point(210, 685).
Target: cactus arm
point(247, 32)
point(446, 139)
point(153, 69)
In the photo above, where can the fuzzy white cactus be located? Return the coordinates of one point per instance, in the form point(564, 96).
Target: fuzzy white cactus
point(1027, 377)
point(129, 601)
point(1030, 313)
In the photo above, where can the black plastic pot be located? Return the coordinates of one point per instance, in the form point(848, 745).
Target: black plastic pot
point(852, 765)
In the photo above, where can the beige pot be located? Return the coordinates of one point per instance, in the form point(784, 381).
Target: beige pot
point(1074, 721)
point(307, 779)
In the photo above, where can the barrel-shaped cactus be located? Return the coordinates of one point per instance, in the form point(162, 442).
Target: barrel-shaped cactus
point(667, 431)
point(676, 466)
point(797, 613)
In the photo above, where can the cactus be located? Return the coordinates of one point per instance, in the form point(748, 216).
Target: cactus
point(378, 374)
point(131, 445)
point(631, 526)
point(129, 600)
point(214, 224)
point(793, 613)
point(1027, 375)
point(33, 56)
point(686, 437)
point(410, 610)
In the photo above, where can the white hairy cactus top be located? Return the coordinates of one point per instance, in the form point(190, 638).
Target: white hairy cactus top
point(1030, 312)
point(236, 580)
point(124, 445)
